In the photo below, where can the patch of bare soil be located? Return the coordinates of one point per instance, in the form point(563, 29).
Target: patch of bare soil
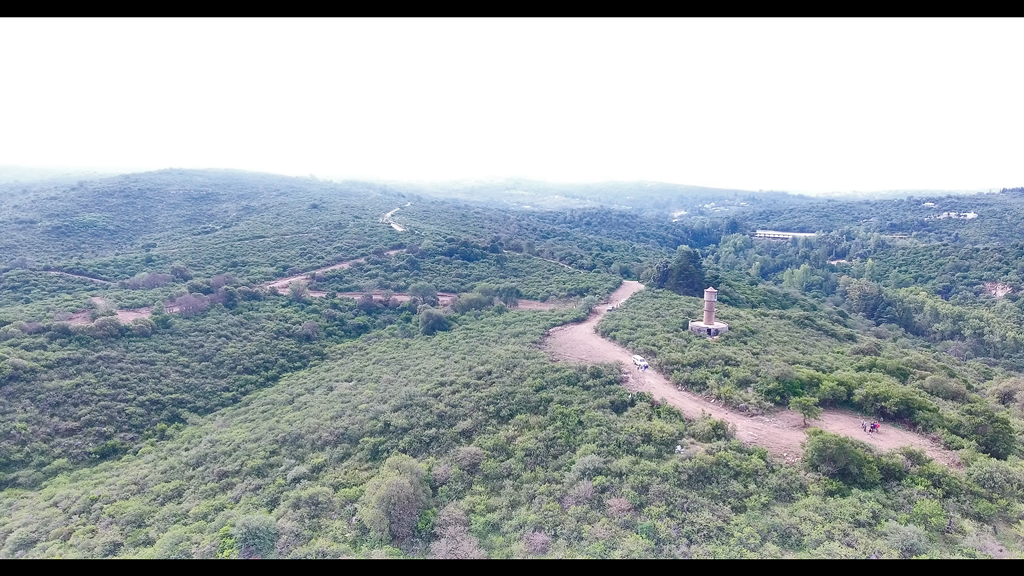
point(81, 317)
point(281, 285)
point(781, 432)
point(998, 289)
point(990, 542)
point(536, 305)
point(443, 298)
point(126, 316)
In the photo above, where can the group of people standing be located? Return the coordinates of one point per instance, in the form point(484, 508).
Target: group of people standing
point(869, 428)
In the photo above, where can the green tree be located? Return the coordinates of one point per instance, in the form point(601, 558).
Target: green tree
point(471, 301)
point(862, 296)
point(841, 458)
point(807, 406)
point(487, 290)
point(755, 269)
point(298, 291)
point(432, 320)
point(181, 272)
point(509, 295)
point(391, 502)
point(992, 431)
point(801, 279)
point(256, 536)
point(928, 514)
point(683, 275)
point(425, 292)
point(107, 327)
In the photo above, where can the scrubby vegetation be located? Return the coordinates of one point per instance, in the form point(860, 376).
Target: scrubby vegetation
point(215, 418)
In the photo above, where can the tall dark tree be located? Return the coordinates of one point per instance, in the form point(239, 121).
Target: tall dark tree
point(684, 275)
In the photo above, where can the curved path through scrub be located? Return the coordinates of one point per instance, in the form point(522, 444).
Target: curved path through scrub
point(444, 298)
point(781, 432)
point(281, 285)
point(386, 219)
point(80, 277)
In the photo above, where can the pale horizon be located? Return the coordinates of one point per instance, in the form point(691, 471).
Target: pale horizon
point(807, 106)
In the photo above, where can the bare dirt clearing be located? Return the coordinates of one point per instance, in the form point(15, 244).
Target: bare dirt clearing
point(443, 298)
point(80, 317)
point(126, 316)
point(780, 432)
point(998, 289)
point(536, 305)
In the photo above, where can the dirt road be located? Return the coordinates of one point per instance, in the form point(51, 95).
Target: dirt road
point(537, 305)
point(281, 285)
point(386, 219)
point(79, 276)
point(780, 432)
point(443, 298)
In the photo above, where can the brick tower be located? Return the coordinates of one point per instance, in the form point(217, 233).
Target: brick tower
point(709, 326)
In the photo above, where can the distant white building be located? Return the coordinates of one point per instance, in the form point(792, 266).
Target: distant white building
point(958, 215)
point(778, 235)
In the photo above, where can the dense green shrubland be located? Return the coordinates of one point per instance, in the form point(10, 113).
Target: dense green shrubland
point(470, 443)
point(264, 425)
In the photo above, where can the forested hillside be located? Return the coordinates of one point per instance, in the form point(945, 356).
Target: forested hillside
point(218, 364)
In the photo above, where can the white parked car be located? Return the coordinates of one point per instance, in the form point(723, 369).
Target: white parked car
point(639, 361)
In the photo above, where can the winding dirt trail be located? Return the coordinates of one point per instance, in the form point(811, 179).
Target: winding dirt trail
point(780, 432)
point(386, 219)
point(444, 298)
point(282, 284)
point(80, 277)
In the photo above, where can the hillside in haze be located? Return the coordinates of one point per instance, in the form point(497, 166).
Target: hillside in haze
point(204, 364)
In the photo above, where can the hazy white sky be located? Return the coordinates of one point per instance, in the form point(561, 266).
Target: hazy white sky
point(803, 105)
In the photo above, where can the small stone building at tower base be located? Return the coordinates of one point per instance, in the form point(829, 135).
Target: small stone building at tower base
point(701, 329)
point(708, 327)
